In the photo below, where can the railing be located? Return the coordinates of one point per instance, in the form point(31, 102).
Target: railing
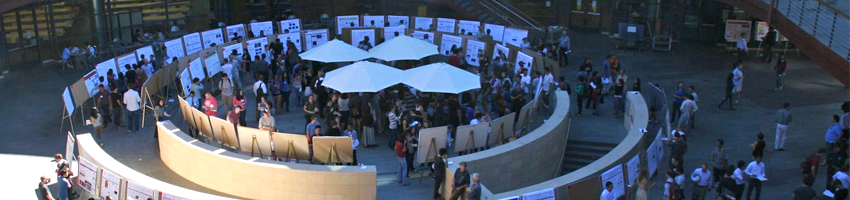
point(518, 14)
point(824, 22)
point(511, 15)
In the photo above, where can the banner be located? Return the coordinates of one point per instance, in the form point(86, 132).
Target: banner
point(290, 26)
point(633, 167)
point(213, 65)
point(315, 38)
point(426, 36)
point(392, 32)
point(514, 36)
point(110, 184)
point(734, 29)
point(145, 52)
point(174, 49)
point(466, 27)
point(138, 192)
point(214, 36)
point(373, 21)
point(446, 25)
point(262, 29)
point(348, 21)
point(87, 175)
point(396, 21)
point(234, 31)
point(449, 43)
point(495, 31)
point(545, 194)
point(256, 47)
point(423, 23)
point(293, 37)
point(358, 36)
point(124, 61)
point(615, 176)
point(69, 106)
point(474, 51)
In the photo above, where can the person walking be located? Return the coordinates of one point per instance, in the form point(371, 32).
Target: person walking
point(738, 176)
point(730, 86)
point(758, 146)
point(132, 101)
point(783, 119)
point(769, 41)
point(780, 67)
point(687, 109)
point(755, 170)
point(805, 191)
point(719, 159)
point(738, 79)
point(678, 99)
point(702, 181)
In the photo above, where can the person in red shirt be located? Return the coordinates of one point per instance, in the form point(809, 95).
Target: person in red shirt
point(233, 115)
point(454, 59)
point(210, 105)
point(402, 161)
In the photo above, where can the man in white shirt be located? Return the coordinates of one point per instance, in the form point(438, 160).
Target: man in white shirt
point(147, 68)
point(738, 176)
point(702, 180)
point(548, 81)
point(738, 81)
point(755, 170)
point(608, 193)
point(688, 107)
point(842, 176)
point(227, 68)
point(741, 46)
point(132, 101)
point(525, 80)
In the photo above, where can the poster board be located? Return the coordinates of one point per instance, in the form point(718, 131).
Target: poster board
point(87, 175)
point(396, 21)
point(123, 61)
point(392, 32)
point(110, 184)
point(246, 141)
point(69, 103)
point(525, 61)
point(196, 68)
point(495, 31)
point(69, 146)
point(184, 109)
point(479, 136)
point(104, 67)
point(202, 121)
point(227, 50)
point(499, 49)
point(474, 51)
point(262, 29)
point(213, 65)
point(467, 27)
point(346, 21)
point(514, 36)
point(322, 149)
point(447, 25)
point(438, 134)
point(450, 42)
point(315, 38)
point(544, 194)
point(734, 29)
point(166, 196)
point(91, 82)
point(424, 36)
point(633, 167)
point(256, 46)
point(290, 26)
point(212, 37)
point(145, 52)
point(293, 37)
point(761, 30)
point(174, 49)
point(423, 23)
point(615, 176)
point(654, 153)
point(234, 31)
point(224, 132)
point(80, 89)
point(185, 82)
point(376, 21)
point(362, 34)
point(300, 148)
point(522, 119)
point(504, 123)
point(137, 192)
point(193, 43)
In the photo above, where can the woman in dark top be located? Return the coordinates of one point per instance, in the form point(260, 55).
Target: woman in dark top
point(758, 146)
point(586, 66)
point(636, 85)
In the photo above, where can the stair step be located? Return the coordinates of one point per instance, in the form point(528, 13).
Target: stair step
point(584, 154)
point(590, 143)
point(587, 148)
point(579, 160)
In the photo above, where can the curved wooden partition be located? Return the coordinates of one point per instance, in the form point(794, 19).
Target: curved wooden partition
point(530, 159)
point(91, 151)
point(585, 181)
point(254, 178)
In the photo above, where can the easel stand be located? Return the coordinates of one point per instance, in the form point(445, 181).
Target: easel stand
point(290, 151)
point(527, 121)
point(431, 156)
point(333, 155)
point(254, 143)
point(502, 134)
point(470, 143)
point(66, 115)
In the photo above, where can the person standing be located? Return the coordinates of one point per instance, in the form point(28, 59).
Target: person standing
point(780, 67)
point(461, 182)
point(581, 93)
point(758, 146)
point(439, 172)
point(694, 97)
point(351, 133)
point(564, 49)
point(608, 193)
point(64, 186)
point(97, 122)
point(738, 79)
point(103, 101)
point(687, 109)
point(702, 181)
point(678, 99)
point(840, 192)
point(43, 190)
point(116, 99)
point(833, 164)
point(393, 120)
point(769, 41)
point(210, 105)
point(805, 191)
point(474, 188)
point(719, 159)
point(196, 86)
point(730, 86)
point(841, 177)
point(741, 46)
point(402, 161)
point(738, 176)
point(618, 98)
point(132, 100)
point(267, 122)
point(226, 87)
point(783, 119)
point(755, 170)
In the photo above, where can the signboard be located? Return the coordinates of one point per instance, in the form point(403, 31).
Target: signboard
point(315, 38)
point(290, 26)
point(523, 61)
point(193, 43)
point(466, 27)
point(373, 21)
point(396, 21)
point(145, 52)
point(103, 69)
point(110, 184)
point(423, 23)
point(166, 196)
point(426, 36)
point(196, 68)
point(87, 175)
point(450, 42)
point(185, 81)
point(734, 29)
point(69, 142)
point(615, 176)
point(138, 192)
point(474, 51)
point(234, 31)
point(295, 37)
point(69, 104)
point(262, 29)
point(358, 36)
point(227, 50)
point(654, 153)
point(446, 25)
point(495, 31)
point(545, 194)
point(761, 30)
point(514, 36)
point(392, 32)
point(633, 167)
point(214, 36)
point(255, 46)
point(499, 50)
point(91, 80)
point(174, 49)
point(124, 61)
point(213, 65)
point(347, 21)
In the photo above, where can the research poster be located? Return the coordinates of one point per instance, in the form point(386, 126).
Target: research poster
point(396, 21)
point(234, 31)
point(87, 175)
point(196, 68)
point(358, 36)
point(214, 36)
point(213, 65)
point(392, 32)
point(193, 43)
point(227, 50)
point(110, 184)
point(293, 37)
point(185, 81)
point(523, 61)
point(255, 47)
point(145, 52)
point(734, 29)
point(423, 23)
point(69, 104)
point(262, 29)
point(166, 196)
point(545, 194)
point(495, 31)
point(290, 26)
point(103, 69)
point(426, 36)
point(761, 30)
point(514, 36)
point(373, 21)
point(446, 25)
point(347, 21)
point(500, 50)
point(633, 167)
point(466, 27)
point(91, 80)
point(124, 61)
point(174, 48)
point(615, 176)
point(69, 140)
point(450, 42)
point(654, 154)
point(474, 51)
point(138, 192)
point(315, 38)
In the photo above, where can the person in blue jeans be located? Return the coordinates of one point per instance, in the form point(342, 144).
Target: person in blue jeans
point(402, 161)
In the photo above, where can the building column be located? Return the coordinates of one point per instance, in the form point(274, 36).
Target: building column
point(100, 22)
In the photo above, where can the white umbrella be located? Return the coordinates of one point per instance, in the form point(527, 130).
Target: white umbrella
point(362, 76)
point(335, 51)
point(442, 78)
point(403, 48)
